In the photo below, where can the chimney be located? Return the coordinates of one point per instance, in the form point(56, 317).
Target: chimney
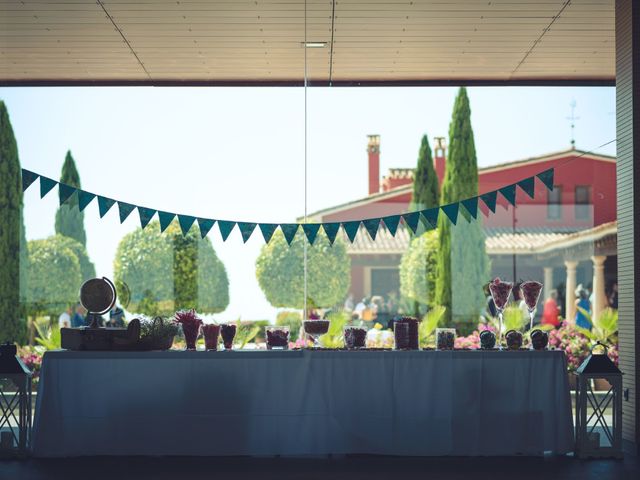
point(373, 149)
point(440, 151)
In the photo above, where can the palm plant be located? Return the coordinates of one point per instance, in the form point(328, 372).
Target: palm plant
point(334, 338)
point(48, 335)
point(604, 327)
point(245, 334)
point(429, 324)
point(512, 319)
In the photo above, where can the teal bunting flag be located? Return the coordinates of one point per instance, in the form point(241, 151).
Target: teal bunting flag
point(84, 199)
point(65, 192)
point(104, 205)
point(146, 214)
point(268, 230)
point(311, 231)
point(205, 224)
point(490, 199)
point(165, 219)
point(392, 222)
point(185, 222)
point(431, 216)
point(372, 224)
point(46, 185)
point(471, 205)
point(528, 186)
point(331, 230)
point(451, 211)
point(289, 230)
point(28, 177)
point(125, 209)
point(246, 229)
point(509, 192)
point(546, 177)
point(412, 219)
point(225, 228)
point(351, 229)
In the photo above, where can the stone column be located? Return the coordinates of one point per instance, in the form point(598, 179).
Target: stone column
point(599, 296)
point(570, 298)
point(548, 282)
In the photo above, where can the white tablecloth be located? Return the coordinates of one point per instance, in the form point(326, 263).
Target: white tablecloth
point(302, 403)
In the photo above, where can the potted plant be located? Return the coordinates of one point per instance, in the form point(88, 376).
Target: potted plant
point(604, 330)
point(157, 333)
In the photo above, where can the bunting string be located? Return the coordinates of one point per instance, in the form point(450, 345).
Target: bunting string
point(411, 220)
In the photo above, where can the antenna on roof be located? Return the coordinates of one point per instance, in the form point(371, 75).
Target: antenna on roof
point(573, 119)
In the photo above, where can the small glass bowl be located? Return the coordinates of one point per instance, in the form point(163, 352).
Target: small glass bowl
point(445, 338)
point(354, 337)
point(277, 337)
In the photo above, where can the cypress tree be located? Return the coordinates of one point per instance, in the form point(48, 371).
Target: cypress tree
point(69, 219)
point(426, 194)
point(425, 181)
point(463, 265)
point(12, 328)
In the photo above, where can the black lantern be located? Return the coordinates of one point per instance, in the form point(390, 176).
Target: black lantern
point(599, 414)
point(15, 403)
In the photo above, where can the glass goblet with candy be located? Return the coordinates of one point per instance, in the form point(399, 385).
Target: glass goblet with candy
point(500, 292)
point(531, 293)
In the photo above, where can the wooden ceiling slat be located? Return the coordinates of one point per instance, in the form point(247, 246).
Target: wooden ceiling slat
point(209, 40)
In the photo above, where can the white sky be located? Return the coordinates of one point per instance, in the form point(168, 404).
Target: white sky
point(238, 153)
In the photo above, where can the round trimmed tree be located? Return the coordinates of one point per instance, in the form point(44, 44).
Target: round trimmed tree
point(418, 270)
point(87, 269)
point(54, 277)
point(280, 271)
point(165, 272)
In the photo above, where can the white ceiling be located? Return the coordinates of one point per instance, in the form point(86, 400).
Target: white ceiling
point(240, 42)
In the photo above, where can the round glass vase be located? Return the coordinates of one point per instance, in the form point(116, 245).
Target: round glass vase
point(277, 337)
point(315, 329)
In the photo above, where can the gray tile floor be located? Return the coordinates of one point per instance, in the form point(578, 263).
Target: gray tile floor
point(352, 468)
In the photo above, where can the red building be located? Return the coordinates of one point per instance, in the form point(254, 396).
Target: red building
point(584, 197)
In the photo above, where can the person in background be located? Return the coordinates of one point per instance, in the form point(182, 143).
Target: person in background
point(613, 296)
point(380, 312)
point(116, 318)
point(582, 301)
point(64, 320)
point(360, 307)
point(348, 303)
point(78, 317)
point(551, 310)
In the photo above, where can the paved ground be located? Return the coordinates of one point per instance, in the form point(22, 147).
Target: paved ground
point(352, 468)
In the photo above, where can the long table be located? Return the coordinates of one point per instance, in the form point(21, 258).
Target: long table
point(303, 403)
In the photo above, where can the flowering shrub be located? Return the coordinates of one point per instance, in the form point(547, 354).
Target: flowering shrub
point(300, 343)
point(473, 341)
point(613, 353)
point(575, 345)
point(32, 358)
